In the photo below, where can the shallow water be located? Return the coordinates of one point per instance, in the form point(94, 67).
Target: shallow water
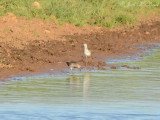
point(120, 94)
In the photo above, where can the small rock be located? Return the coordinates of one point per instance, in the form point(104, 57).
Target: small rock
point(147, 33)
point(36, 5)
point(12, 16)
point(53, 17)
point(113, 67)
point(124, 65)
point(47, 31)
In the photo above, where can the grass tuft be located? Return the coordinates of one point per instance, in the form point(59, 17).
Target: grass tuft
point(109, 13)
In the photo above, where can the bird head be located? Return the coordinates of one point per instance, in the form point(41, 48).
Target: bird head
point(68, 63)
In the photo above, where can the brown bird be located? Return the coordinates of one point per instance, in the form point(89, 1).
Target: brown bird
point(73, 65)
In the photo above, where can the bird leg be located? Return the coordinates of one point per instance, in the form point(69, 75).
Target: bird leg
point(72, 70)
point(86, 61)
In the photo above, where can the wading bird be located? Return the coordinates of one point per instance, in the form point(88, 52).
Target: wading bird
point(86, 52)
point(73, 65)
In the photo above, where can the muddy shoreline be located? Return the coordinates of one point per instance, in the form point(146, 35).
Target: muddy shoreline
point(37, 46)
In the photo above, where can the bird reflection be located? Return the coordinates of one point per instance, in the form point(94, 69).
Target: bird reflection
point(80, 84)
point(74, 82)
point(86, 83)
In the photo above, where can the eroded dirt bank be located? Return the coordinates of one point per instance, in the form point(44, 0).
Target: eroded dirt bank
point(36, 46)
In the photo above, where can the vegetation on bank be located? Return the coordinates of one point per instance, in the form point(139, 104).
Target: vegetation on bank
point(109, 13)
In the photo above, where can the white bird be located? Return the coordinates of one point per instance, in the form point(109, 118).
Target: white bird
point(86, 52)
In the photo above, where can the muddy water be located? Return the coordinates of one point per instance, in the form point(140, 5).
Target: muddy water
point(120, 94)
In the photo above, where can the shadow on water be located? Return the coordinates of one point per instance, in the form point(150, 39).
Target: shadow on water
point(118, 94)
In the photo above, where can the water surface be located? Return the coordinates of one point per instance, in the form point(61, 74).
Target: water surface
point(119, 94)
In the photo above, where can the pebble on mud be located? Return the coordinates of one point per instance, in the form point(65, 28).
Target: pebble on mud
point(47, 31)
point(147, 33)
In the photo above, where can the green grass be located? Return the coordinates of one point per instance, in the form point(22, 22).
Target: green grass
point(6, 30)
point(109, 13)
